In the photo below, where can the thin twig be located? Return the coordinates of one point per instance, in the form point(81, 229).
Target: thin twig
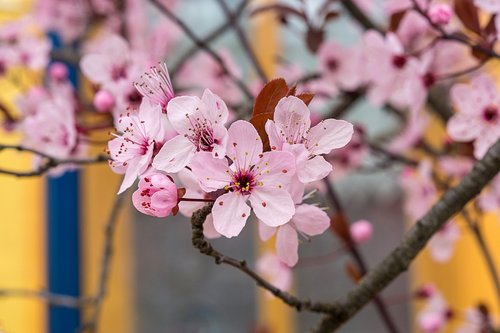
point(414, 241)
point(206, 248)
point(48, 162)
point(51, 298)
point(107, 255)
point(243, 41)
point(202, 45)
point(359, 16)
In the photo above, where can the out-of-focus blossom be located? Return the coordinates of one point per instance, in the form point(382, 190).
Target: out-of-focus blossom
point(411, 135)
point(434, 315)
point(361, 231)
point(420, 191)
point(276, 271)
point(350, 157)
point(156, 195)
point(58, 71)
point(141, 134)
point(478, 115)
point(204, 72)
point(308, 220)
point(200, 124)
point(442, 244)
point(475, 321)
point(253, 175)
point(456, 166)
point(67, 18)
point(291, 131)
point(341, 66)
point(440, 13)
point(489, 200)
point(103, 101)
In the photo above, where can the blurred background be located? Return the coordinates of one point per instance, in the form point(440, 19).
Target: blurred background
point(53, 230)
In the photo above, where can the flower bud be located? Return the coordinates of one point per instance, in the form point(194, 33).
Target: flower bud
point(361, 231)
point(440, 13)
point(156, 195)
point(103, 101)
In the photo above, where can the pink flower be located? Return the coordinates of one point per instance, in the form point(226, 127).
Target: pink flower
point(51, 128)
point(258, 177)
point(361, 231)
point(112, 65)
point(411, 135)
point(475, 322)
point(419, 188)
point(200, 124)
point(308, 220)
point(291, 131)
point(341, 65)
point(204, 72)
point(277, 272)
point(156, 86)
point(456, 166)
point(388, 69)
point(489, 200)
point(435, 314)
point(156, 195)
point(478, 115)
point(142, 133)
point(442, 244)
point(440, 13)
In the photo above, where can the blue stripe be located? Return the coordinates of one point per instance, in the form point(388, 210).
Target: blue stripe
point(63, 239)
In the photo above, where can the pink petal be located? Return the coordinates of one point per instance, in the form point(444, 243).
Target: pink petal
point(272, 206)
point(292, 115)
point(314, 169)
point(244, 144)
point(230, 214)
point(209, 229)
point(287, 245)
point(275, 139)
point(180, 110)
point(96, 68)
point(310, 220)
point(464, 127)
point(212, 173)
point(276, 168)
point(329, 134)
point(220, 136)
point(216, 109)
point(265, 231)
point(175, 154)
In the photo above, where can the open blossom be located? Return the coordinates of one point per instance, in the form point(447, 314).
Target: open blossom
point(489, 200)
point(276, 271)
point(419, 189)
point(291, 131)
point(435, 314)
point(388, 69)
point(51, 129)
point(442, 244)
point(410, 136)
point(341, 65)
point(308, 220)
point(478, 114)
point(68, 18)
point(141, 135)
point(260, 178)
point(200, 124)
point(156, 195)
point(156, 85)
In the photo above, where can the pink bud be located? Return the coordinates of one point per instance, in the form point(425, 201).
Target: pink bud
point(58, 71)
point(361, 231)
point(440, 13)
point(103, 101)
point(431, 323)
point(425, 291)
point(156, 195)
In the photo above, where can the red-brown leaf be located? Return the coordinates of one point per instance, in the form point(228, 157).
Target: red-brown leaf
point(468, 14)
point(340, 227)
point(306, 97)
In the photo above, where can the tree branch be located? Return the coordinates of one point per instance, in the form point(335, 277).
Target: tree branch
point(414, 241)
point(54, 299)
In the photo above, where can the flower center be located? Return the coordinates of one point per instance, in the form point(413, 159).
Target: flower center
point(429, 79)
point(118, 72)
point(332, 64)
point(399, 61)
point(490, 114)
point(202, 134)
point(243, 181)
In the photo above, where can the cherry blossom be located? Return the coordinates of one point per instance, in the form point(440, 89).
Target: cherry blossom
point(277, 272)
point(308, 220)
point(361, 231)
point(419, 189)
point(156, 195)
point(435, 314)
point(478, 117)
point(200, 124)
point(156, 86)
point(489, 200)
point(442, 244)
point(291, 131)
point(258, 177)
point(140, 135)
